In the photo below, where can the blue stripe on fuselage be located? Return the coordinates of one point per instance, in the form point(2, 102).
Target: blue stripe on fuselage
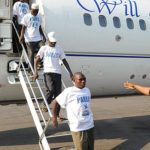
point(116, 56)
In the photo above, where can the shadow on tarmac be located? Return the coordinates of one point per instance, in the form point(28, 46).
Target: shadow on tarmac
point(136, 131)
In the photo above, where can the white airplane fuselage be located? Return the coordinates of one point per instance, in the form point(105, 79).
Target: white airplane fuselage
point(107, 55)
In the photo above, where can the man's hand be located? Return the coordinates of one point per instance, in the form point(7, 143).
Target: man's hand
point(55, 123)
point(128, 85)
point(20, 40)
point(44, 39)
point(35, 76)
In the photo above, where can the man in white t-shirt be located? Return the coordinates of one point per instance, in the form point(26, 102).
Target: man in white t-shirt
point(32, 31)
point(20, 9)
point(76, 100)
point(51, 54)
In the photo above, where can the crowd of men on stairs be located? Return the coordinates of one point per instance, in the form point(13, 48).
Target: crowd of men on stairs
point(75, 99)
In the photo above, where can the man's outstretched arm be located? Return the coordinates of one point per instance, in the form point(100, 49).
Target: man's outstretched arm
point(144, 90)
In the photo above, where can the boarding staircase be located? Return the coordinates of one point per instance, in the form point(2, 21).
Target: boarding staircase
point(30, 89)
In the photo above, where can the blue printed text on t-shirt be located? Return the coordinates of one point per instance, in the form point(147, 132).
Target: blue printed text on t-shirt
point(23, 5)
point(52, 54)
point(83, 99)
point(24, 8)
point(35, 19)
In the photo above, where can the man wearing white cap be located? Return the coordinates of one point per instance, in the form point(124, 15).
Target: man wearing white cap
point(51, 54)
point(32, 31)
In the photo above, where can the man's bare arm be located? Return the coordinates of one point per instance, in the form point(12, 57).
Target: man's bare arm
point(144, 90)
point(55, 123)
point(22, 34)
point(36, 60)
point(41, 32)
point(68, 67)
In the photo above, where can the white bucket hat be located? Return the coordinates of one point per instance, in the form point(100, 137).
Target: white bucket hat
point(51, 37)
point(35, 6)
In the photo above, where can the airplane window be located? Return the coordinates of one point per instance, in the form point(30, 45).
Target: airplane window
point(87, 19)
point(116, 22)
point(142, 24)
point(102, 21)
point(130, 23)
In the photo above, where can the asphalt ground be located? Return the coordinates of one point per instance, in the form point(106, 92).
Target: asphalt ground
point(121, 123)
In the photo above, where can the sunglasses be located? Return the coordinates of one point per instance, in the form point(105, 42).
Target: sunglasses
point(81, 79)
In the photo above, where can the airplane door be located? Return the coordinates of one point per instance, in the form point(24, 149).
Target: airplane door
point(5, 36)
point(5, 25)
point(5, 9)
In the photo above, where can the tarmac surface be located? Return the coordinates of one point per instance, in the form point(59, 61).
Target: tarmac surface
point(121, 123)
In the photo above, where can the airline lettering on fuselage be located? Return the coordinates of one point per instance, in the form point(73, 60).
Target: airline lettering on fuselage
point(131, 7)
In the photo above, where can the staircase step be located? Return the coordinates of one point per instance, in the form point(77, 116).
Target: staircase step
point(67, 133)
point(8, 54)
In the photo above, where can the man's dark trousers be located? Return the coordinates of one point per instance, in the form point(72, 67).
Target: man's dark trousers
point(53, 87)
